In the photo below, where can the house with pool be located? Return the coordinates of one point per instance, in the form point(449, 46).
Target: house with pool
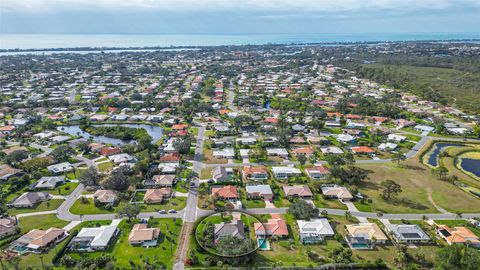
point(364, 235)
point(315, 230)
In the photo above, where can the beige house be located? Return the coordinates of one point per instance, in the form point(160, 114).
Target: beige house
point(156, 195)
point(37, 241)
point(105, 196)
point(142, 235)
point(302, 191)
point(364, 235)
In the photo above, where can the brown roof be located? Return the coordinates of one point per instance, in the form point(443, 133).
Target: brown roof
point(157, 194)
point(41, 238)
point(141, 232)
point(460, 235)
point(298, 190)
point(228, 192)
point(164, 179)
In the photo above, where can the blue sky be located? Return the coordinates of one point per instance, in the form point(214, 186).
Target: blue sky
point(237, 16)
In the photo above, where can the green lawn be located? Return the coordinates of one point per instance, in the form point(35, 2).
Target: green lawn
point(43, 206)
point(254, 204)
point(79, 208)
point(325, 203)
point(65, 189)
point(41, 222)
point(416, 181)
point(128, 256)
point(105, 166)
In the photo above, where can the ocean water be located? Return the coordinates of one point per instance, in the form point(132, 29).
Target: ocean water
point(46, 41)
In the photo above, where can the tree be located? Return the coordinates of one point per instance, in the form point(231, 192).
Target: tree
point(15, 157)
point(303, 210)
point(399, 157)
point(441, 172)
point(118, 180)
point(183, 145)
point(129, 210)
point(302, 159)
point(90, 177)
point(62, 153)
point(390, 189)
point(351, 175)
point(84, 147)
point(457, 257)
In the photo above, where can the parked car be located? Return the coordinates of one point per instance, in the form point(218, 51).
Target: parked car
point(162, 211)
point(171, 211)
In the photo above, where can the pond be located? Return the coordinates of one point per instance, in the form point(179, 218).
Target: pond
point(471, 165)
point(154, 131)
point(438, 147)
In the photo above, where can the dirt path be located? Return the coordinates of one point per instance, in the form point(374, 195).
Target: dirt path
point(430, 199)
point(181, 254)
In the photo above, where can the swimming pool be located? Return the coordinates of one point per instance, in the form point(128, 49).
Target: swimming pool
point(263, 244)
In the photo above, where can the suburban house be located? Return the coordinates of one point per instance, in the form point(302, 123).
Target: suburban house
point(161, 180)
point(274, 227)
point(29, 199)
point(331, 150)
point(424, 128)
point(105, 196)
point(37, 241)
point(364, 235)
point(263, 192)
point(60, 168)
point(109, 151)
point(144, 236)
point(225, 192)
point(48, 182)
point(458, 235)
point(6, 172)
point(300, 191)
point(396, 138)
point(315, 230)
point(336, 192)
point(8, 226)
point(303, 151)
point(121, 158)
point(222, 174)
point(318, 172)
point(235, 228)
point(255, 173)
point(407, 233)
point(224, 153)
point(387, 146)
point(365, 150)
point(279, 152)
point(156, 195)
point(285, 172)
point(93, 239)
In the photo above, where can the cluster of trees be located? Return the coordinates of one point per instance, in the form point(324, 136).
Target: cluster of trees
point(300, 209)
point(62, 153)
point(121, 132)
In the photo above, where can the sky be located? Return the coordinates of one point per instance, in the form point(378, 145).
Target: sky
point(237, 16)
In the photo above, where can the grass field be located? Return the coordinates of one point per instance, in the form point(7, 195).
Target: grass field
point(417, 182)
point(89, 208)
point(42, 222)
point(43, 206)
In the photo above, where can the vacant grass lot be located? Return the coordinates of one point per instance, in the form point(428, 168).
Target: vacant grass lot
point(417, 182)
point(64, 189)
point(42, 222)
point(89, 208)
point(43, 206)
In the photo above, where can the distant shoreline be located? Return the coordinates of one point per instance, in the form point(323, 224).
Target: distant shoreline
point(155, 48)
point(51, 43)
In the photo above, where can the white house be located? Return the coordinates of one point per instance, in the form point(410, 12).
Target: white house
point(60, 167)
point(92, 239)
point(224, 153)
point(281, 152)
point(315, 230)
point(396, 138)
point(285, 172)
